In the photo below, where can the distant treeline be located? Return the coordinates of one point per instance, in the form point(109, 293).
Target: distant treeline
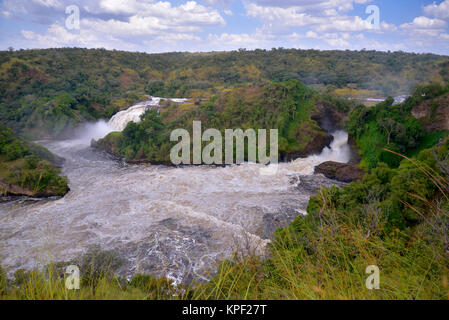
point(43, 92)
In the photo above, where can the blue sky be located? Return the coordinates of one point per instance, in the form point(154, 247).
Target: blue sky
point(213, 25)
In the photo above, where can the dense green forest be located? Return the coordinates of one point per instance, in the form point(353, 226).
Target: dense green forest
point(44, 92)
point(394, 128)
point(28, 169)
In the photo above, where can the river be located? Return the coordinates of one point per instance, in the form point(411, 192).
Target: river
point(167, 221)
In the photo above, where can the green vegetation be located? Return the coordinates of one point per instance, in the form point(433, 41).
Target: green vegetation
point(429, 140)
point(27, 168)
point(149, 139)
point(396, 219)
point(45, 92)
point(393, 127)
point(286, 106)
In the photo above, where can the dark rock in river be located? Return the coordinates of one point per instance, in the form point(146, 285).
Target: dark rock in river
point(340, 171)
point(311, 184)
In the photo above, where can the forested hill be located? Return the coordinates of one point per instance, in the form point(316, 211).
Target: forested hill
point(43, 92)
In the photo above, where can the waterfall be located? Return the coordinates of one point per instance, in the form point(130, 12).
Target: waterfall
point(339, 151)
point(119, 121)
point(88, 131)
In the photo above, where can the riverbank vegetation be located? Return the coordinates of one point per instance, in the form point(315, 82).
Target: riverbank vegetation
point(28, 169)
point(287, 106)
point(291, 107)
point(398, 127)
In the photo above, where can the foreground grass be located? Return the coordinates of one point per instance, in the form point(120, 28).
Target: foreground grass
point(415, 270)
point(331, 266)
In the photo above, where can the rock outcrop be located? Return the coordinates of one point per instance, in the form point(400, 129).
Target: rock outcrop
point(434, 113)
point(328, 117)
point(8, 190)
point(340, 171)
point(318, 140)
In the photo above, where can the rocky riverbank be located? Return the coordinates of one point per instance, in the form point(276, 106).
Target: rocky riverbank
point(9, 191)
point(27, 169)
point(340, 171)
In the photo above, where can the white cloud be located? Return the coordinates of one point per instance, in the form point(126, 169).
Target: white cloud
point(122, 7)
point(327, 20)
point(424, 33)
point(40, 11)
point(387, 27)
point(57, 36)
point(92, 35)
point(425, 23)
point(235, 40)
point(311, 35)
point(326, 7)
point(190, 17)
point(172, 37)
point(424, 26)
point(190, 13)
point(224, 3)
point(438, 10)
point(345, 23)
point(49, 3)
point(337, 40)
point(228, 41)
point(146, 21)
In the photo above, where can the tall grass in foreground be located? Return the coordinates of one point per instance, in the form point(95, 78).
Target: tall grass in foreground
point(323, 255)
point(336, 270)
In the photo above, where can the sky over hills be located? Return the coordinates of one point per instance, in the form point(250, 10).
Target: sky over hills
point(211, 25)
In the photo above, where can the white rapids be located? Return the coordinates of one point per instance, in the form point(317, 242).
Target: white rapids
point(119, 121)
point(173, 222)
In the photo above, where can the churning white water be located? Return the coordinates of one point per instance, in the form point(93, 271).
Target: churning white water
point(119, 121)
point(173, 222)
